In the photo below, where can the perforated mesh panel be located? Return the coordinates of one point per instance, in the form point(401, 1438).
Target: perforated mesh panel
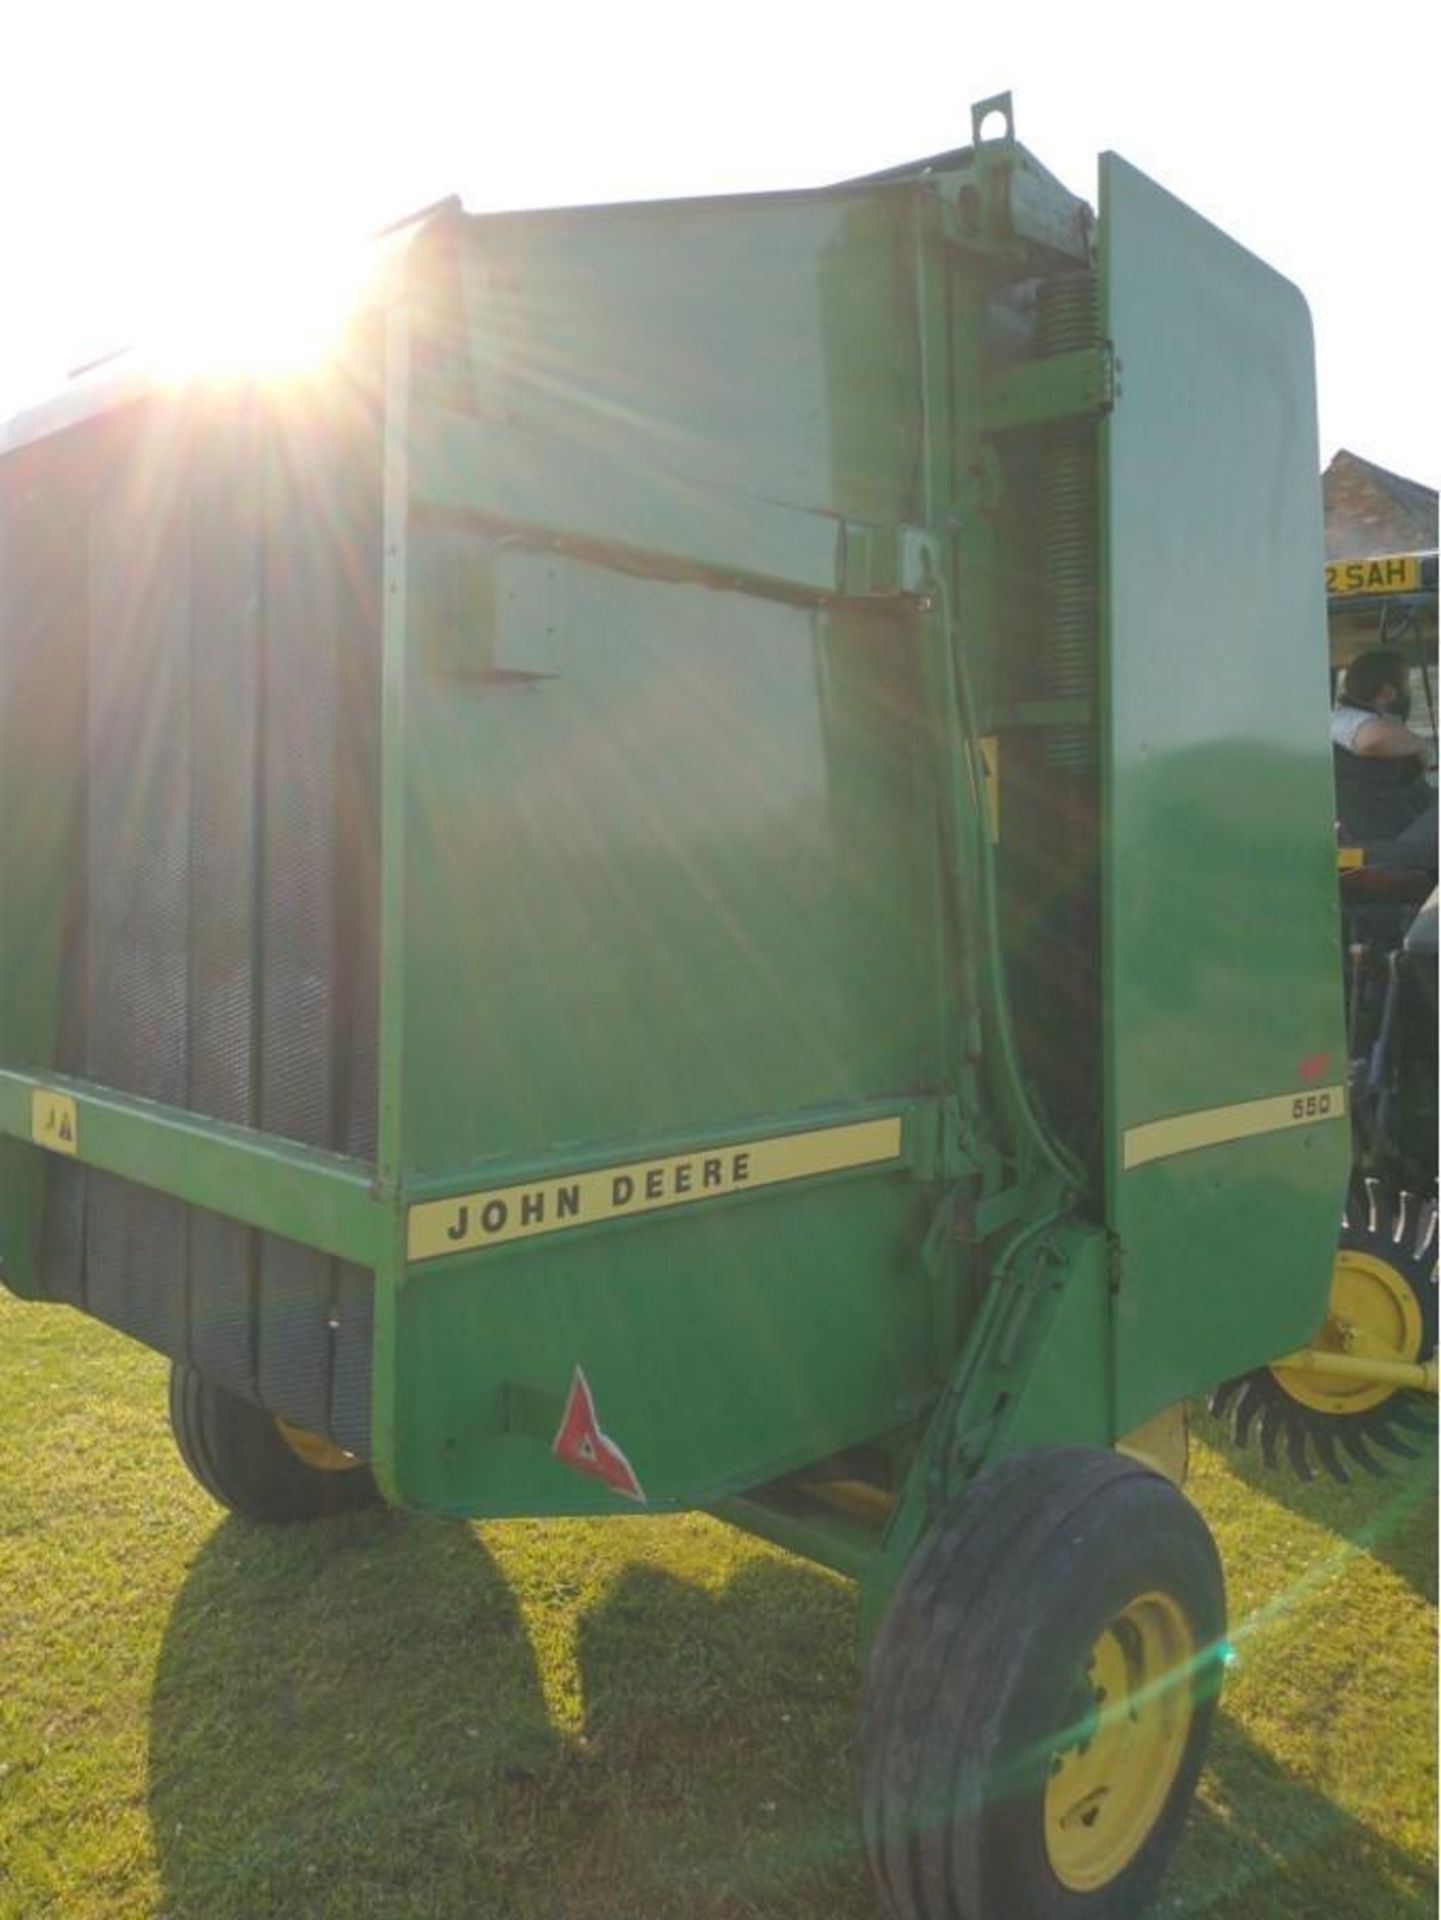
point(222, 954)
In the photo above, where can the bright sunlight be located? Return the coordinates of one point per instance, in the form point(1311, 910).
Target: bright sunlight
point(270, 308)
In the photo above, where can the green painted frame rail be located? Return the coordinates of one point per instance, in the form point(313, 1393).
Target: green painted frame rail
point(322, 1200)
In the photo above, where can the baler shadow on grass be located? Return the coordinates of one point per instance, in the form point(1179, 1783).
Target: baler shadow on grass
point(337, 1711)
point(353, 1720)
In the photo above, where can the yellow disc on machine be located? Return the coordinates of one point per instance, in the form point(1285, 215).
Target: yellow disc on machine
point(1373, 1314)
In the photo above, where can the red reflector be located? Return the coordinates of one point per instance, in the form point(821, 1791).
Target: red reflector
point(581, 1444)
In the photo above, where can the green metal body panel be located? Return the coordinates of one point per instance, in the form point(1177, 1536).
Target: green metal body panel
point(663, 813)
point(1221, 934)
point(787, 773)
point(672, 1015)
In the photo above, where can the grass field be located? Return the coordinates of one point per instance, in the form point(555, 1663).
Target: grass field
point(616, 1720)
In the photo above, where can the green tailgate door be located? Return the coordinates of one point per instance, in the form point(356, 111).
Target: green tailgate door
point(1225, 1056)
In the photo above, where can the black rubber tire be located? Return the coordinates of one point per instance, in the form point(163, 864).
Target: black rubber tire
point(974, 1672)
point(238, 1455)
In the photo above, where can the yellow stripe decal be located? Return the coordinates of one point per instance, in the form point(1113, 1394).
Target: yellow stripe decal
point(54, 1122)
point(1215, 1126)
point(499, 1215)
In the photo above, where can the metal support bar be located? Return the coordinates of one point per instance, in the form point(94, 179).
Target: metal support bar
point(1039, 713)
point(319, 1199)
point(848, 1550)
point(667, 526)
point(1362, 1369)
point(857, 1499)
point(1080, 385)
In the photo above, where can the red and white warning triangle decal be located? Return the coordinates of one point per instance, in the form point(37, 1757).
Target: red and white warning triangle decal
point(581, 1444)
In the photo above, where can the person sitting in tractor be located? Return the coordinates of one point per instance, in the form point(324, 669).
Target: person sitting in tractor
point(1380, 763)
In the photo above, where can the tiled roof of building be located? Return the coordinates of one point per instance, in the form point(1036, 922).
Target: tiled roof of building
point(1370, 510)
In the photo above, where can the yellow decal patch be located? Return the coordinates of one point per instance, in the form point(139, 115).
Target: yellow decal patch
point(54, 1122)
point(991, 761)
point(1388, 573)
point(1216, 1126)
point(502, 1214)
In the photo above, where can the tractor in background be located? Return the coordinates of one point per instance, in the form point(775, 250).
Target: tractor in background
point(1366, 1387)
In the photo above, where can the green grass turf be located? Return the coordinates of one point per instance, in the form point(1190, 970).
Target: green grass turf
point(608, 1720)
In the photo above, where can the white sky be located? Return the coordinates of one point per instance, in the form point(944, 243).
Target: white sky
point(141, 143)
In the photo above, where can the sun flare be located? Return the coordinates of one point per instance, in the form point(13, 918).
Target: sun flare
point(269, 312)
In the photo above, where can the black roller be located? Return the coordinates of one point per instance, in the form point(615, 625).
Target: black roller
point(1296, 1452)
point(1414, 1415)
point(1326, 1453)
point(1273, 1427)
point(1390, 1442)
point(1249, 1403)
point(1219, 1403)
point(1355, 1445)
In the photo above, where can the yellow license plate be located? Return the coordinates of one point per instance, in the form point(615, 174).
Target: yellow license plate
point(1388, 573)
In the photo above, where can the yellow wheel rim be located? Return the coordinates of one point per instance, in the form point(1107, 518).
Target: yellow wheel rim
point(1373, 1315)
point(315, 1450)
point(1112, 1773)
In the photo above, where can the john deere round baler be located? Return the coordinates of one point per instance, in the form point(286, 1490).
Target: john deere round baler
point(692, 877)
